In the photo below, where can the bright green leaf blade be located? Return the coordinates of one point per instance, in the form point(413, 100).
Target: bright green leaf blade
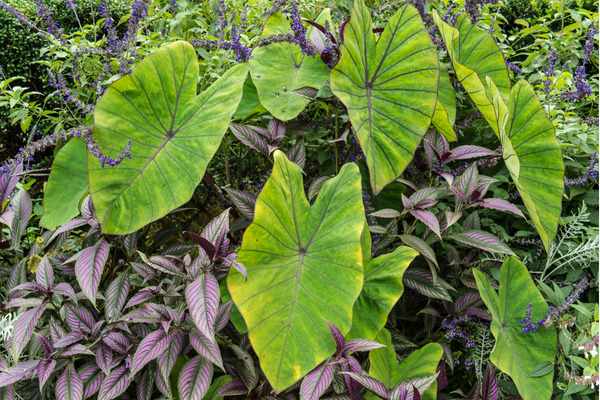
point(304, 267)
point(420, 363)
point(540, 176)
point(475, 56)
point(382, 288)
point(445, 109)
point(389, 87)
point(516, 353)
point(67, 184)
point(174, 134)
point(280, 68)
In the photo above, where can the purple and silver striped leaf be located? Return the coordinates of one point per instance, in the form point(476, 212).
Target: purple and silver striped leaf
point(386, 213)
point(467, 182)
point(472, 222)
point(46, 345)
point(115, 296)
point(72, 224)
point(202, 296)
point(21, 207)
point(424, 198)
point(163, 386)
point(104, 357)
point(315, 186)
point(423, 282)
point(28, 302)
point(234, 388)
point(337, 336)
point(250, 138)
point(361, 345)
point(18, 275)
point(145, 384)
point(89, 212)
point(167, 359)
point(478, 313)
point(56, 331)
point(76, 350)
point(79, 318)
point(149, 348)
point(30, 287)
point(216, 230)
point(276, 129)
point(316, 382)
point(230, 260)
point(378, 229)
point(307, 92)
point(92, 378)
point(130, 243)
point(244, 202)
point(489, 387)
point(141, 315)
point(162, 264)
point(89, 267)
point(69, 339)
point(429, 219)
point(44, 369)
point(69, 385)
point(44, 275)
point(501, 205)
point(8, 182)
point(297, 154)
point(482, 240)
point(223, 315)
point(400, 392)
point(471, 299)
point(206, 347)
point(143, 270)
point(64, 289)
point(451, 217)
point(117, 341)
point(143, 296)
point(370, 383)
point(248, 371)
point(483, 185)
point(419, 245)
point(18, 372)
point(421, 383)
point(115, 383)
point(23, 329)
point(466, 152)
point(194, 378)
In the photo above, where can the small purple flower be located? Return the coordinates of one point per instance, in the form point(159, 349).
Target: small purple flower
point(549, 70)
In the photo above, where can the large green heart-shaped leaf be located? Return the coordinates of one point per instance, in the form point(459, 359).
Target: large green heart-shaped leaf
point(174, 134)
point(382, 288)
point(420, 363)
point(304, 267)
point(445, 109)
point(67, 184)
point(475, 55)
point(280, 68)
point(389, 86)
point(516, 353)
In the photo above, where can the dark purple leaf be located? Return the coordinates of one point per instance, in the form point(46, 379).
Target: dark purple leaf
point(489, 388)
point(79, 318)
point(428, 219)
point(234, 388)
point(370, 383)
point(502, 205)
point(297, 154)
point(223, 315)
point(202, 296)
point(65, 289)
point(44, 369)
point(250, 138)
point(316, 382)
point(337, 337)
point(23, 329)
point(244, 202)
point(167, 359)
point(206, 347)
point(482, 240)
point(104, 357)
point(114, 384)
point(89, 267)
point(248, 371)
point(143, 296)
point(46, 345)
point(361, 345)
point(442, 379)
point(69, 385)
point(478, 313)
point(351, 364)
point(18, 274)
point(18, 372)
point(69, 339)
point(194, 378)
point(150, 348)
point(315, 186)
point(116, 295)
point(145, 384)
point(207, 246)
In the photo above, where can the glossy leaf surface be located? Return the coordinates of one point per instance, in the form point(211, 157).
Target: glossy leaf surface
point(389, 86)
point(173, 131)
point(280, 68)
point(304, 267)
point(516, 353)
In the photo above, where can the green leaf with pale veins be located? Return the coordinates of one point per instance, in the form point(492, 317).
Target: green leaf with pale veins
point(304, 267)
point(67, 184)
point(445, 109)
point(174, 133)
point(280, 68)
point(382, 288)
point(516, 353)
point(389, 86)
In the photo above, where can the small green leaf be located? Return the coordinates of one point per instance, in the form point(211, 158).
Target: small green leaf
point(543, 368)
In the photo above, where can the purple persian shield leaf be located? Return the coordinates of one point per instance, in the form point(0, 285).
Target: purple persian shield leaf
point(142, 296)
point(74, 223)
point(297, 154)
point(442, 379)
point(202, 296)
point(479, 313)
point(44, 369)
point(46, 345)
point(223, 315)
point(44, 275)
point(65, 289)
point(451, 217)
point(406, 203)
point(499, 204)
point(316, 382)
point(240, 223)
point(114, 384)
point(116, 295)
point(69, 339)
point(424, 197)
point(315, 186)
point(244, 202)
point(206, 347)
point(29, 302)
point(482, 240)
point(423, 282)
point(117, 341)
point(150, 348)
point(483, 184)
point(230, 260)
point(20, 205)
point(23, 329)
point(472, 222)
point(472, 299)
point(216, 229)
point(104, 357)
point(489, 388)
point(467, 182)
point(130, 243)
point(8, 182)
point(386, 213)
point(400, 392)
point(56, 331)
point(161, 264)
point(466, 152)
point(420, 245)
point(429, 219)
point(145, 385)
point(207, 246)
point(234, 388)
point(337, 336)
point(76, 350)
point(250, 138)
point(18, 372)
point(89, 212)
point(421, 383)
point(248, 371)
point(79, 318)
point(18, 275)
point(276, 130)
point(361, 345)
point(163, 386)
point(30, 287)
point(141, 315)
point(69, 385)
point(370, 383)
point(92, 378)
point(378, 229)
point(143, 270)
point(89, 267)
point(167, 359)
point(194, 378)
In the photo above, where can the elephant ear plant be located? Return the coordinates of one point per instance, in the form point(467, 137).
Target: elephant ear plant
point(308, 282)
